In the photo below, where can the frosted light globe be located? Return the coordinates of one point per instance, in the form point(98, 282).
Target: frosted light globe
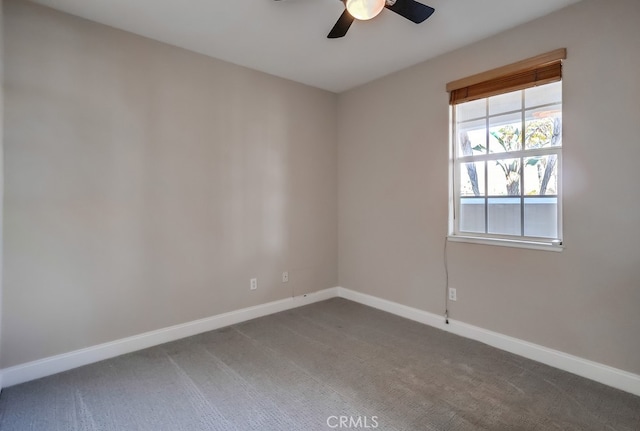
point(365, 9)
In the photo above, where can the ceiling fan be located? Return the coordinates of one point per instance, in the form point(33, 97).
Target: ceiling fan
point(367, 9)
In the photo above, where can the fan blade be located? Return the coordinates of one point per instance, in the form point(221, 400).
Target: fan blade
point(342, 25)
point(412, 10)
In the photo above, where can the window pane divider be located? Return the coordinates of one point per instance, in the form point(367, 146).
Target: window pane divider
point(544, 151)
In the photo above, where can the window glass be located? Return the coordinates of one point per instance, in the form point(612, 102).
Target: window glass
point(541, 175)
point(505, 103)
point(472, 137)
point(504, 216)
point(472, 110)
point(472, 179)
point(543, 95)
point(503, 176)
point(540, 217)
point(505, 133)
point(542, 126)
point(472, 214)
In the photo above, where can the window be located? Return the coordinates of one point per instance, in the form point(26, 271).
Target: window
point(507, 154)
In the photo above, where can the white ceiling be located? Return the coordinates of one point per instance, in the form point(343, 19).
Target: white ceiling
point(288, 38)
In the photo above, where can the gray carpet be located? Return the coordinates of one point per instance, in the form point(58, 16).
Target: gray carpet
point(306, 368)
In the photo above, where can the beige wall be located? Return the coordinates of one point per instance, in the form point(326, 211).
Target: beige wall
point(145, 185)
point(393, 152)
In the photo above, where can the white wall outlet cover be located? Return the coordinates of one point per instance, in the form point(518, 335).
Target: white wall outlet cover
point(452, 294)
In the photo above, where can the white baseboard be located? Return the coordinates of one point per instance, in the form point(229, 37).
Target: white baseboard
point(605, 374)
point(66, 361)
point(55, 364)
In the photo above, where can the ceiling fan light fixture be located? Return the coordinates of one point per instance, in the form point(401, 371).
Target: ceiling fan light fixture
point(365, 9)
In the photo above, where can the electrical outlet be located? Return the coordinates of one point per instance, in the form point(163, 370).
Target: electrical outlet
point(285, 277)
point(254, 284)
point(453, 295)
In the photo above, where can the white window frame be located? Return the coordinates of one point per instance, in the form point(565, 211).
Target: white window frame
point(456, 161)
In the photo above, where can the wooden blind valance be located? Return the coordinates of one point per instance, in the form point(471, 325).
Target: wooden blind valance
point(538, 70)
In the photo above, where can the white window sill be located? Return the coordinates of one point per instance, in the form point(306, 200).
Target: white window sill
point(532, 245)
